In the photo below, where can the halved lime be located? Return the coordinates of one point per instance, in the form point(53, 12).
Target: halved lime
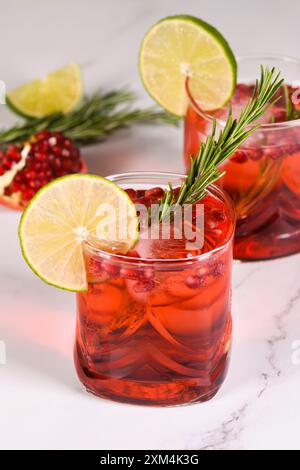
point(63, 214)
point(183, 46)
point(59, 91)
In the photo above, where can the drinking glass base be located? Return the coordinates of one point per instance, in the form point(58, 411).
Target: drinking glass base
point(146, 393)
point(265, 245)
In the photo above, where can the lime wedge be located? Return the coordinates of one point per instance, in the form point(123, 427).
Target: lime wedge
point(63, 214)
point(59, 91)
point(178, 47)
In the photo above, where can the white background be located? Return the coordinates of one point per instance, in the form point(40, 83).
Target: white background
point(42, 405)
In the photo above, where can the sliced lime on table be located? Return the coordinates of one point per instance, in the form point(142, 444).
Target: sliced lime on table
point(59, 91)
point(63, 214)
point(183, 46)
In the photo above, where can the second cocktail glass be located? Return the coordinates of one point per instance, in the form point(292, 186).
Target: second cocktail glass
point(263, 177)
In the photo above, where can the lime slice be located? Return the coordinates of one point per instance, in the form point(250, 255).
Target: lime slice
point(59, 91)
point(63, 214)
point(178, 47)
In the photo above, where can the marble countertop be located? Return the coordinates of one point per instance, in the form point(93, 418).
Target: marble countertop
point(42, 404)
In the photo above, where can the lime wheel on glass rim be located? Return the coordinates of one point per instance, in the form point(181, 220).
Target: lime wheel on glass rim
point(181, 47)
point(65, 213)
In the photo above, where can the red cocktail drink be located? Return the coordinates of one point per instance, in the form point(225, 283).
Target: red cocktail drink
point(154, 327)
point(263, 176)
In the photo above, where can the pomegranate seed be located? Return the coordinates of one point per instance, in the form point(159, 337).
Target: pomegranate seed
point(7, 163)
point(13, 150)
point(255, 154)
point(279, 114)
point(111, 269)
point(131, 193)
point(30, 175)
point(211, 223)
point(154, 193)
point(51, 155)
point(59, 137)
point(57, 163)
point(43, 135)
point(194, 282)
point(217, 269)
point(66, 153)
point(15, 187)
point(144, 286)
point(289, 146)
point(239, 157)
point(57, 150)
point(38, 166)
point(40, 157)
point(147, 273)
point(14, 156)
point(273, 152)
point(143, 201)
point(128, 273)
point(28, 194)
point(203, 271)
point(34, 184)
point(176, 191)
point(217, 215)
point(133, 254)
point(44, 146)
point(75, 153)
point(68, 144)
point(49, 174)
point(52, 141)
point(67, 164)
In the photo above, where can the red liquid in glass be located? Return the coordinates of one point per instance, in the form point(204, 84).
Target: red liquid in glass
point(262, 178)
point(159, 336)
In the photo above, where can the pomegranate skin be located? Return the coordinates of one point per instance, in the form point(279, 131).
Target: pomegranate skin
point(51, 156)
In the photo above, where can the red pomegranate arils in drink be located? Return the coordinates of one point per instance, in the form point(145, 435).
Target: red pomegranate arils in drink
point(154, 326)
point(262, 177)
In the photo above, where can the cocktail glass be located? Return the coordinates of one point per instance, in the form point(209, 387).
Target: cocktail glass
point(263, 177)
point(156, 330)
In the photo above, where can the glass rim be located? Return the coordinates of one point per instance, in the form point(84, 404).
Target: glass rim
point(166, 262)
point(263, 127)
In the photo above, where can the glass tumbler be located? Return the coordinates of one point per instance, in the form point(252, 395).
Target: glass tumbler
point(263, 176)
point(156, 331)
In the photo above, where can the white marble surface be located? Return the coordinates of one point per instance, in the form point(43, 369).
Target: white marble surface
point(42, 405)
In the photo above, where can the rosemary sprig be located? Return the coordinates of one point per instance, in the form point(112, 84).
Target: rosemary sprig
point(98, 116)
point(204, 169)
